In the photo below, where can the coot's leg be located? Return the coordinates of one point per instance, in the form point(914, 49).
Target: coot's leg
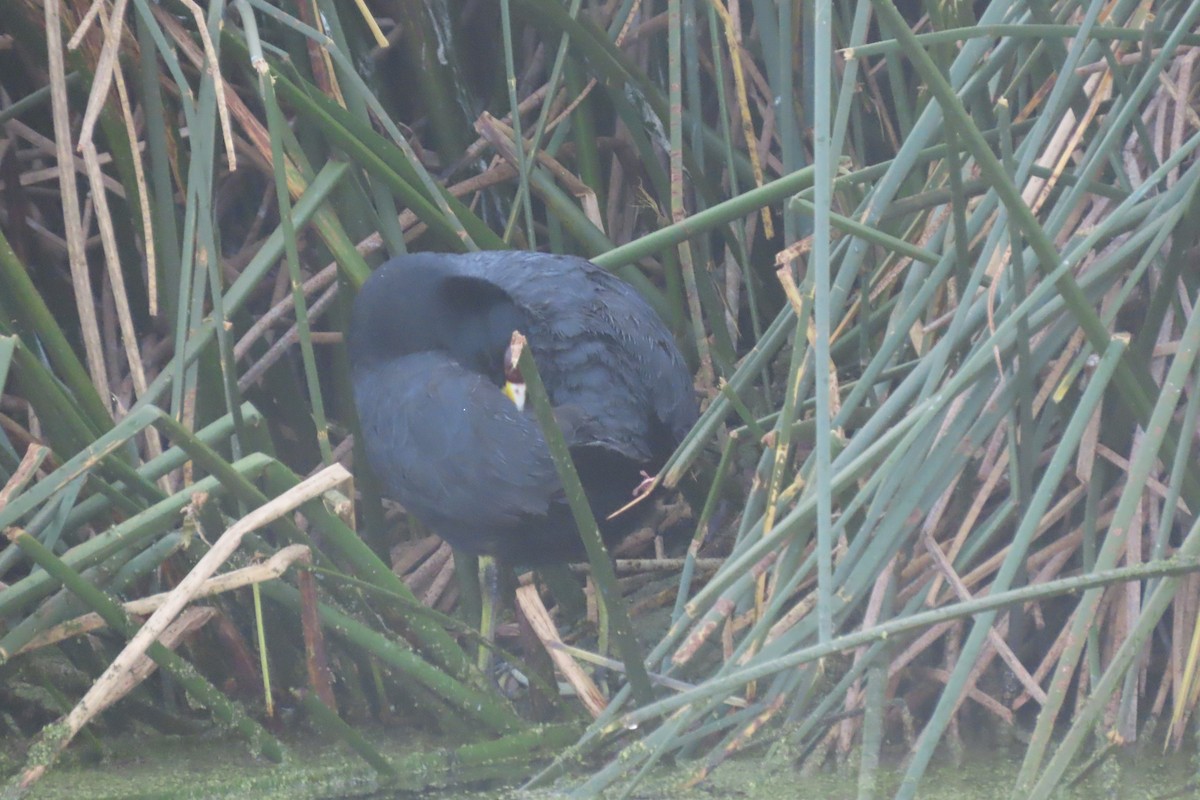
point(489, 586)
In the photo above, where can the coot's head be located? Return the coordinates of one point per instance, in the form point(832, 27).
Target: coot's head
point(416, 305)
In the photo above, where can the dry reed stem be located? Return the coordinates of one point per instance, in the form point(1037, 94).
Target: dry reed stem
point(270, 569)
point(72, 221)
point(530, 604)
point(188, 588)
point(35, 454)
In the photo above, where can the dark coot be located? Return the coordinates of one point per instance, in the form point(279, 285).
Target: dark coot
point(427, 341)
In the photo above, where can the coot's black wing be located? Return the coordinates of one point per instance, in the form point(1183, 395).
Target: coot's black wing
point(599, 346)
